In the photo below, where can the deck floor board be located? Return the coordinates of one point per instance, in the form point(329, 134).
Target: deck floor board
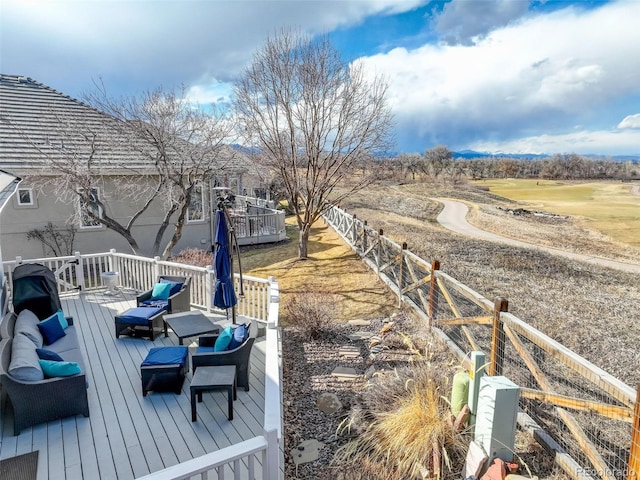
point(128, 435)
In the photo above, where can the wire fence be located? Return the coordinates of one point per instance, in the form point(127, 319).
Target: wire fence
point(591, 416)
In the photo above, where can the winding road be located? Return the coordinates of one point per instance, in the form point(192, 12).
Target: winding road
point(453, 217)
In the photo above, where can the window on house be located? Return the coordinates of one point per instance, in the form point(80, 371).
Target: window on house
point(90, 206)
point(195, 213)
point(25, 197)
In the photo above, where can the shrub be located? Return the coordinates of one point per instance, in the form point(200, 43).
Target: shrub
point(313, 313)
point(403, 429)
point(195, 257)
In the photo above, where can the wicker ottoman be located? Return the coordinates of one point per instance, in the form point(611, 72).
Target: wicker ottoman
point(141, 322)
point(163, 369)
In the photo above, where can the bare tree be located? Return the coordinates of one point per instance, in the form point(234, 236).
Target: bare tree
point(184, 145)
point(153, 150)
point(438, 159)
point(314, 118)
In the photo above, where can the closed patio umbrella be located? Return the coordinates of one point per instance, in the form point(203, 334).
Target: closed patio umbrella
point(224, 295)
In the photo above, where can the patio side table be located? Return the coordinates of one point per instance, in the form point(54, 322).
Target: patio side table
point(207, 379)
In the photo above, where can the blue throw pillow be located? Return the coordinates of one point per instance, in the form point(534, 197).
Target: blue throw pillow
point(59, 369)
point(51, 330)
point(175, 286)
point(240, 334)
point(44, 354)
point(223, 341)
point(161, 291)
point(61, 318)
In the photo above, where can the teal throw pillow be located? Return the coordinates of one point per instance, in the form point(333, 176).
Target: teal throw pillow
point(51, 330)
point(161, 291)
point(59, 369)
point(223, 341)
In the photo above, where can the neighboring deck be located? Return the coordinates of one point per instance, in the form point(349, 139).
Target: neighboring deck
point(128, 435)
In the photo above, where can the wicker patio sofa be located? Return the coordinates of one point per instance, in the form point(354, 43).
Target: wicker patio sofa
point(38, 401)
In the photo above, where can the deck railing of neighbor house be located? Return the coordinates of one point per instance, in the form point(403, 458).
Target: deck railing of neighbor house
point(588, 417)
point(260, 302)
point(255, 220)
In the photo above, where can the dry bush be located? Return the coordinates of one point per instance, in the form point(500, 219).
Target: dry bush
point(195, 257)
point(403, 429)
point(312, 313)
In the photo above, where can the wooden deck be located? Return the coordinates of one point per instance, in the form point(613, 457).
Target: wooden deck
point(128, 435)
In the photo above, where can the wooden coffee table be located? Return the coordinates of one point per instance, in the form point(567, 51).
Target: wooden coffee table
point(207, 379)
point(190, 324)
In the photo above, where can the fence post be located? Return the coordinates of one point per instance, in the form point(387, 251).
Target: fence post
point(433, 296)
point(272, 468)
point(380, 235)
point(79, 271)
point(354, 231)
point(497, 337)
point(633, 466)
point(401, 279)
point(364, 236)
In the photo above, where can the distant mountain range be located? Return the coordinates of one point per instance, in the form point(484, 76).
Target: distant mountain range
point(533, 156)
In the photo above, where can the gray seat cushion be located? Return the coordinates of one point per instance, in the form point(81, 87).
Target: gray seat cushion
point(27, 324)
point(24, 360)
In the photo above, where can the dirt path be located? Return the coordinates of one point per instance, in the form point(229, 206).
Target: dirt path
point(453, 217)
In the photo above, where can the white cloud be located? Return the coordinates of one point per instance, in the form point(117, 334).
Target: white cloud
point(463, 20)
point(630, 121)
point(178, 41)
point(535, 77)
point(604, 142)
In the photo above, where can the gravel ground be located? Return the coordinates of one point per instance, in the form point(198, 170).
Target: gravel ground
point(307, 367)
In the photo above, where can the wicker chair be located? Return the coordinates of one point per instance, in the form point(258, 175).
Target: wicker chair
point(239, 356)
point(178, 302)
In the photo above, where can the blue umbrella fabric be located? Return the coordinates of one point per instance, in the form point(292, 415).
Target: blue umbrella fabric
point(224, 295)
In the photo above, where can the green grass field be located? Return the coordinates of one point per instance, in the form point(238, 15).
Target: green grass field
point(608, 207)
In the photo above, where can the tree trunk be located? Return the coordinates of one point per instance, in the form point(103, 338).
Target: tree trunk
point(304, 241)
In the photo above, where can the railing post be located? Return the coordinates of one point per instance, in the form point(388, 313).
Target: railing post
point(79, 271)
point(497, 337)
point(274, 300)
point(272, 470)
point(433, 293)
point(156, 268)
point(208, 287)
point(633, 467)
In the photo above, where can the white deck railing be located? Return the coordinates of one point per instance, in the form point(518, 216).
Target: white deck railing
point(257, 458)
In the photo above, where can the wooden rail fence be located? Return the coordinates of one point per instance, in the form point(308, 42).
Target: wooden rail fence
point(588, 417)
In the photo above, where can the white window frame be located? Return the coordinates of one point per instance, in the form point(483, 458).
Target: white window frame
point(202, 218)
point(31, 202)
point(81, 216)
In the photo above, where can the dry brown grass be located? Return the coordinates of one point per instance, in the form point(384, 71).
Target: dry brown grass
point(407, 432)
point(590, 309)
point(332, 268)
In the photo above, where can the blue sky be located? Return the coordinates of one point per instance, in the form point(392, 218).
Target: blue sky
point(490, 75)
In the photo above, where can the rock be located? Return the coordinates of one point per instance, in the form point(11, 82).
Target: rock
point(370, 371)
point(307, 451)
point(359, 323)
point(345, 373)
point(354, 337)
point(329, 403)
